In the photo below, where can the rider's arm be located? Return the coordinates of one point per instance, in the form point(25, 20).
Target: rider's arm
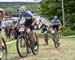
point(20, 16)
point(51, 22)
point(59, 24)
point(17, 23)
point(34, 21)
point(33, 18)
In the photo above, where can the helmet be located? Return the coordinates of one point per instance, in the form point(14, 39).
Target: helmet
point(22, 9)
point(55, 17)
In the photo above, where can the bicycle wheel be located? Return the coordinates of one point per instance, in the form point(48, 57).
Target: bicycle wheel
point(4, 52)
point(21, 47)
point(56, 42)
point(46, 38)
point(35, 46)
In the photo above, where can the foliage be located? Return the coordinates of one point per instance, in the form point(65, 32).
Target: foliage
point(49, 8)
point(11, 8)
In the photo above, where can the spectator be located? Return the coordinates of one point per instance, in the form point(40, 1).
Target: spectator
point(7, 31)
point(14, 31)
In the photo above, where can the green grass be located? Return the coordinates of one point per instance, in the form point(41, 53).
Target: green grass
point(68, 33)
point(11, 48)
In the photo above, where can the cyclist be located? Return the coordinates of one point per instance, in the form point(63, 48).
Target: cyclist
point(29, 20)
point(13, 31)
point(2, 14)
point(55, 24)
point(45, 31)
point(7, 31)
point(44, 26)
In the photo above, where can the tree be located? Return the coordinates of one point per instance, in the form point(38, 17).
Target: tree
point(49, 8)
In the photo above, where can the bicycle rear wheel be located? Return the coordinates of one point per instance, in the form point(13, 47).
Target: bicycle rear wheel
point(35, 46)
point(46, 38)
point(56, 42)
point(21, 47)
point(4, 52)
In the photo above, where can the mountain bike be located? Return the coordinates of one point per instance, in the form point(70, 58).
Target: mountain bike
point(4, 51)
point(46, 37)
point(55, 38)
point(44, 30)
point(25, 43)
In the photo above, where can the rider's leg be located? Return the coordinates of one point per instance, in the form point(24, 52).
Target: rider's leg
point(59, 32)
point(34, 35)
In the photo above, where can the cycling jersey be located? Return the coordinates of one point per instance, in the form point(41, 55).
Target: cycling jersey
point(44, 26)
point(28, 17)
point(55, 22)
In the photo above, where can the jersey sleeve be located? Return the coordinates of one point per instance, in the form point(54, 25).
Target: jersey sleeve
point(51, 22)
point(59, 22)
point(30, 13)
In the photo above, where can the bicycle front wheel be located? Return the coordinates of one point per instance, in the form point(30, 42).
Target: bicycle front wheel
point(35, 46)
point(4, 52)
point(21, 47)
point(56, 42)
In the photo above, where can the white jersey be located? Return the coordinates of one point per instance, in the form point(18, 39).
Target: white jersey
point(55, 22)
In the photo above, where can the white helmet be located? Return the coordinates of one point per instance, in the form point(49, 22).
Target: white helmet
point(22, 9)
point(55, 17)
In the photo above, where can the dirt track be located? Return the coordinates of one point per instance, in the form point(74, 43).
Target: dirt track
point(49, 52)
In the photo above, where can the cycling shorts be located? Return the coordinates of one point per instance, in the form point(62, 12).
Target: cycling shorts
point(55, 27)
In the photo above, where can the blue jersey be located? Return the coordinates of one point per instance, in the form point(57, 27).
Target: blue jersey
point(28, 17)
point(55, 22)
